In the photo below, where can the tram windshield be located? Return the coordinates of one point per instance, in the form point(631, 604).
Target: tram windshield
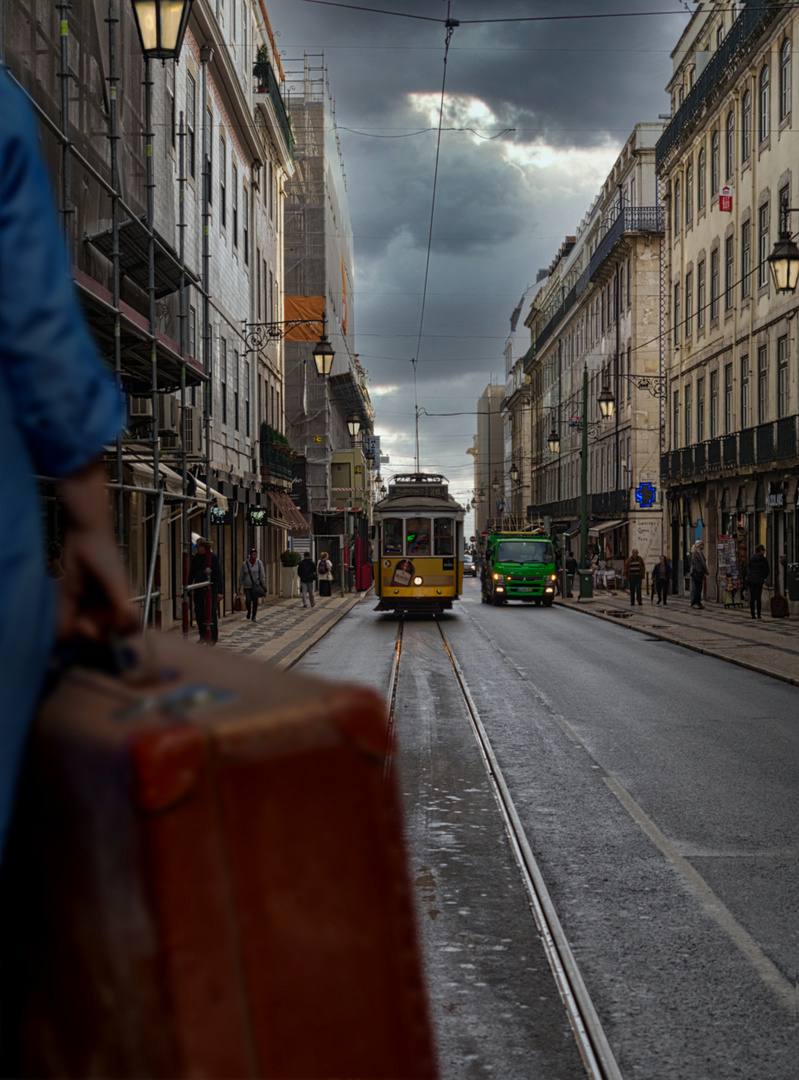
point(417, 536)
point(392, 536)
point(444, 530)
point(524, 551)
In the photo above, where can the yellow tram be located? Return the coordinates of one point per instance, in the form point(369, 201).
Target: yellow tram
point(418, 563)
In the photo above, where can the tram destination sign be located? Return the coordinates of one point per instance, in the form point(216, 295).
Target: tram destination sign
point(432, 491)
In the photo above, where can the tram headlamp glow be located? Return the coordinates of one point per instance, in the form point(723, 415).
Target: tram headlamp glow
point(418, 581)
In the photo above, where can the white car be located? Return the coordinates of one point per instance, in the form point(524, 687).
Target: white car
point(469, 565)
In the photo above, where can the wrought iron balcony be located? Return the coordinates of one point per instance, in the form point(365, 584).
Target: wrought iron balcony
point(268, 84)
point(754, 446)
point(786, 437)
point(754, 18)
point(632, 219)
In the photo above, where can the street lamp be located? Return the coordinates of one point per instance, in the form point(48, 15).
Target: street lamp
point(784, 259)
point(161, 25)
point(353, 426)
point(513, 472)
point(607, 403)
point(323, 351)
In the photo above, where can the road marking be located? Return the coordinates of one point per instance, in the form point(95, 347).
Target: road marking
point(765, 968)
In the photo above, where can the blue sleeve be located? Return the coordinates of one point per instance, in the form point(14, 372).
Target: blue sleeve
point(64, 400)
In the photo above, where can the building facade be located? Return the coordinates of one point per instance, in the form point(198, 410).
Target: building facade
point(727, 164)
point(597, 311)
point(489, 459)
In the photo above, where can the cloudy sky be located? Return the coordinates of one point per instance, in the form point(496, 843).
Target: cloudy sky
point(570, 89)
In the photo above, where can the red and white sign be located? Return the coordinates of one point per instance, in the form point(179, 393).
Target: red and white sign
point(472, 539)
point(484, 535)
point(725, 199)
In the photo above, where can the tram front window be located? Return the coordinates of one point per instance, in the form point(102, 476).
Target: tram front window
point(417, 536)
point(444, 529)
point(392, 536)
point(524, 551)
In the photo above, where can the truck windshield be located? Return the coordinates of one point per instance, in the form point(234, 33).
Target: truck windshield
point(524, 551)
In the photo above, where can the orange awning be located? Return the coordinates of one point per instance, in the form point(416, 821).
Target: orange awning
point(304, 307)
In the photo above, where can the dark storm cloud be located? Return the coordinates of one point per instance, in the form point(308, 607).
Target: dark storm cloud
point(572, 90)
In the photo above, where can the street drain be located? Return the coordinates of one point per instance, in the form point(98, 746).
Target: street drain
point(618, 614)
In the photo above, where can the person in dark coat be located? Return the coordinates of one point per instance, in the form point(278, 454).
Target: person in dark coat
point(306, 572)
point(635, 571)
point(200, 570)
point(661, 576)
point(698, 572)
point(756, 578)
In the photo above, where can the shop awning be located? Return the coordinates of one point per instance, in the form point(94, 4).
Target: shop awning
point(203, 492)
point(573, 528)
point(289, 513)
point(139, 473)
point(604, 526)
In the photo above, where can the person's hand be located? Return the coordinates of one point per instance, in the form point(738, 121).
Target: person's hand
point(94, 595)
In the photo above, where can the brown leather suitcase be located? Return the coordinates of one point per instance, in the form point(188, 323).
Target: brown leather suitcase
point(207, 879)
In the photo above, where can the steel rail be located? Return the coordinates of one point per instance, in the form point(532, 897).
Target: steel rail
point(592, 1043)
point(392, 698)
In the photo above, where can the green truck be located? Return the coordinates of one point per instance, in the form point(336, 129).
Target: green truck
point(519, 566)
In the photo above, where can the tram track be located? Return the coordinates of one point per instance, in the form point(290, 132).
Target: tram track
point(592, 1043)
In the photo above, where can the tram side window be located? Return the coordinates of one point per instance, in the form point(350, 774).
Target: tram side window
point(417, 536)
point(444, 529)
point(392, 536)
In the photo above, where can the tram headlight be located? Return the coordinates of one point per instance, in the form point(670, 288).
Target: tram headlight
point(418, 581)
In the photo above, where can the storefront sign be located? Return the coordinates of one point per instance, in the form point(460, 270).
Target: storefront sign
point(257, 515)
point(725, 199)
point(775, 499)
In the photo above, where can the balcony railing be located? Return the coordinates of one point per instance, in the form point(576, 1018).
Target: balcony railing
point(754, 446)
point(268, 84)
point(561, 311)
point(753, 19)
point(275, 461)
point(631, 219)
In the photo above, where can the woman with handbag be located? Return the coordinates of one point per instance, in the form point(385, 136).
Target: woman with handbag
point(324, 575)
point(252, 578)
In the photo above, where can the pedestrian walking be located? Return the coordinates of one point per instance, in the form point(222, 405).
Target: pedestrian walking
point(756, 578)
point(306, 572)
point(661, 576)
point(698, 572)
point(324, 573)
point(60, 408)
point(252, 578)
point(571, 570)
point(634, 571)
point(205, 566)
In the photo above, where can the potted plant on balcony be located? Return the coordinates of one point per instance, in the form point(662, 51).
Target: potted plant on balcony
point(289, 582)
point(261, 69)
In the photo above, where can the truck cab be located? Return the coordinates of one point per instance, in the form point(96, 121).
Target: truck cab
point(520, 566)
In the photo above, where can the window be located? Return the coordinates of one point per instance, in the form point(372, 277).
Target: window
point(714, 165)
point(689, 194)
point(392, 536)
point(729, 272)
point(234, 378)
point(687, 415)
point(727, 399)
point(714, 404)
point(247, 398)
point(719, 36)
point(700, 410)
point(764, 104)
point(785, 79)
point(245, 221)
point(675, 418)
point(762, 246)
point(444, 536)
point(677, 207)
point(629, 280)
point(632, 191)
point(714, 283)
point(746, 418)
point(701, 168)
point(762, 384)
point(191, 140)
point(676, 315)
point(258, 296)
point(417, 536)
point(782, 376)
point(689, 303)
point(244, 29)
point(234, 183)
point(170, 99)
point(223, 377)
point(222, 183)
point(208, 151)
point(700, 295)
point(746, 258)
point(730, 154)
point(746, 126)
point(192, 332)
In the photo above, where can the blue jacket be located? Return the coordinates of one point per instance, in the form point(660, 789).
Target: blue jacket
point(58, 408)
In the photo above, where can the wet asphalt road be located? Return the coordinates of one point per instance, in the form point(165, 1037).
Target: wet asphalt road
point(658, 788)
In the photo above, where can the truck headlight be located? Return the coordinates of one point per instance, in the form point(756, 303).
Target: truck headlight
point(499, 577)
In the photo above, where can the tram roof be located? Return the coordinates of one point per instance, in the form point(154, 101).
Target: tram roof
point(404, 504)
